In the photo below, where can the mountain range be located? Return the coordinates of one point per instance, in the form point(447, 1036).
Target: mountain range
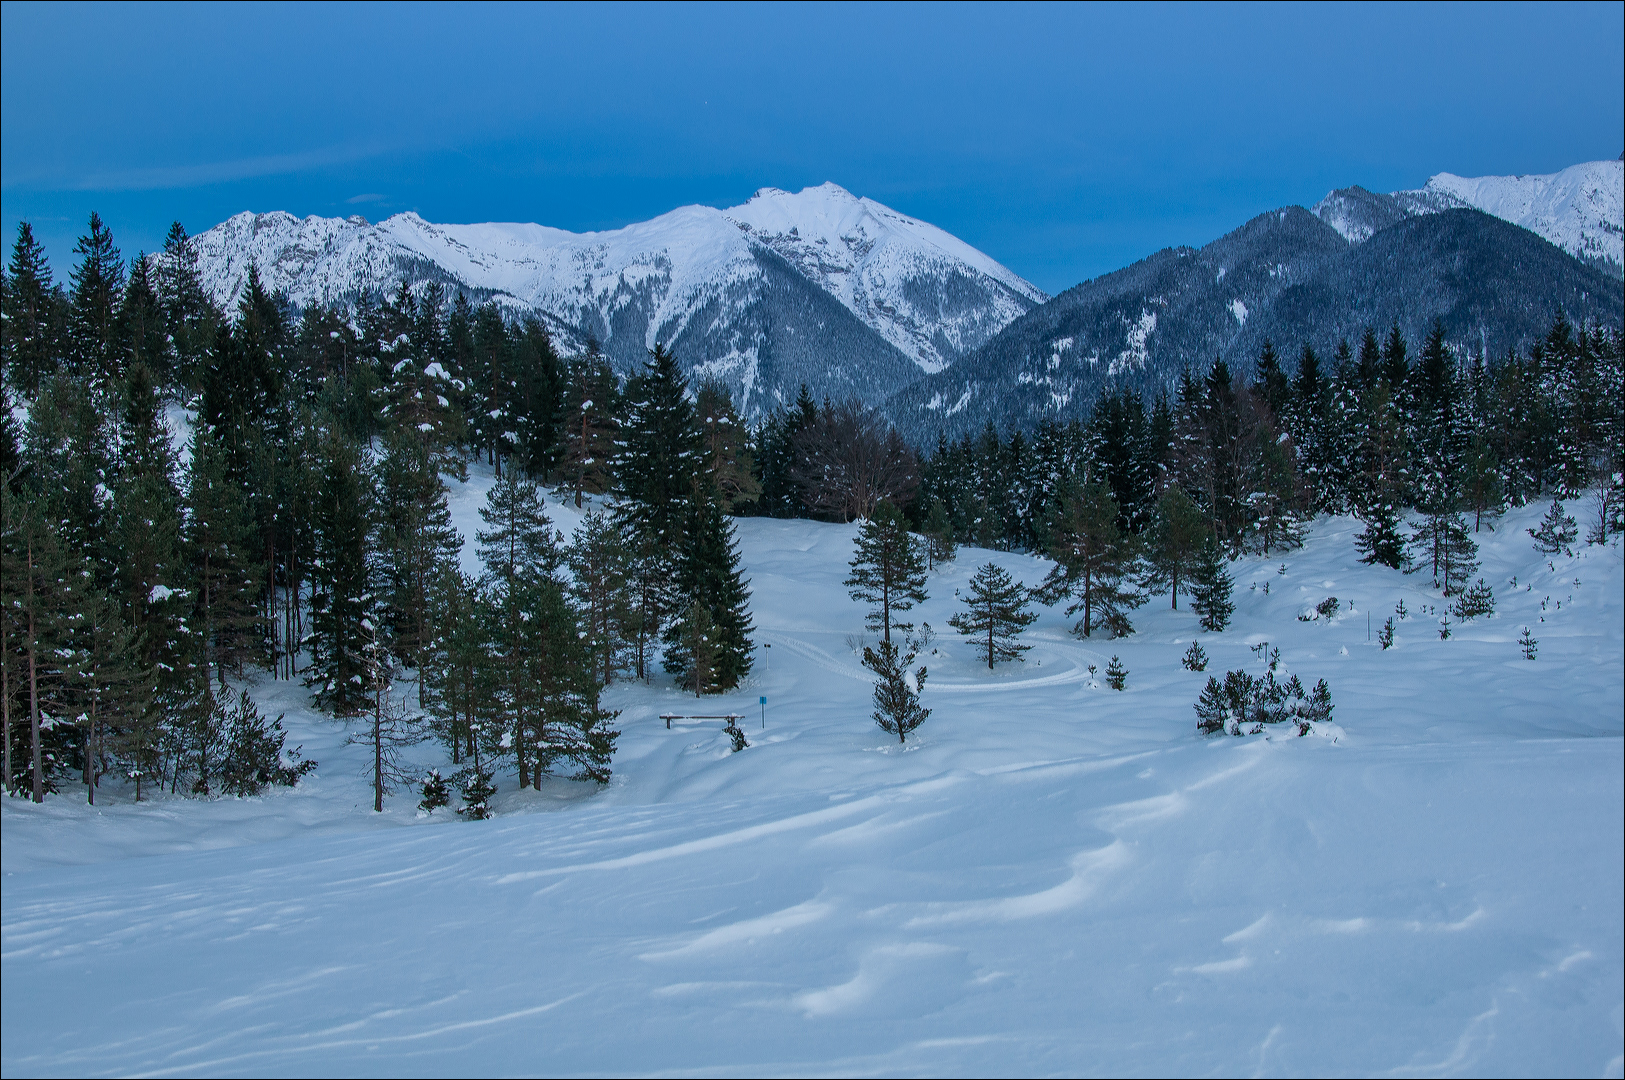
point(855, 299)
point(822, 287)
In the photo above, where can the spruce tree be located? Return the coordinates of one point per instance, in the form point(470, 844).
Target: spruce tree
point(730, 466)
point(343, 601)
point(521, 554)
point(1272, 381)
point(995, 614)
point(415, 538)
point(888, 572)
point(588, 435)
point(1211, 596)
point(661, 455)
point(653, 596)
point(32, 309)
point(105, 687)
point(142, 335)
point(556, 700)
point(219, 542)
point(1095, 563)
point(1176, 535)
point(1557, 531)
point(939, 534)
point(709, 579)
point(897, 690)
point(599, 567)
point(1481, 481)
point(98, 285)
point(1441, 545)
point(151, 578)
point(189, 315)
point(454, 680)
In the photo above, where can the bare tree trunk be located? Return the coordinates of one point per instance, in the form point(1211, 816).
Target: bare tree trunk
point(5, 697)
point(33, 685)
point(378, 753)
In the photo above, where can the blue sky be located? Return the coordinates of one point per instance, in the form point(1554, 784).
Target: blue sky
point(1063, 141)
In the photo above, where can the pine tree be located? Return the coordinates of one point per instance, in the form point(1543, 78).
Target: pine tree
point(1557, 531)
point(521, 554)
point(1272, 381)
point(1481, 481)
point(729, 465)
point(436, 793)
point(1116, 674)
point(556, 702)
point(590, 428)
point(996, 613)
point(897, 690)
point(32, 310)
point(1195, 658)
point(1442, 545)
point(391, 725)
point(188, 314)
point(343, 599)
point(1177, 533)
point(599, 566)
point(219, 542)
point(415, 537)
point(709, 576)
point(887, 570)
point(141, 333)
point(1211, 596)
point(939, 534)
point(1095, 562)
point(1477, 599)
point(105, 687)
point(98, 284)
point(660, 455)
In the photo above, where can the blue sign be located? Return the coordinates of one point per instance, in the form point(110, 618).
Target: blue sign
point(764, 701)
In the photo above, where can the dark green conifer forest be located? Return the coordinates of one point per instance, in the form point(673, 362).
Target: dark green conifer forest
point(194, 498)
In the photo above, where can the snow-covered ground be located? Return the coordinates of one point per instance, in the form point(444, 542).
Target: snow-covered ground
point(1053, 877)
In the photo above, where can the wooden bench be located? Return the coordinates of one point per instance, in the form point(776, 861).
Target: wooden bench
point(732, 718)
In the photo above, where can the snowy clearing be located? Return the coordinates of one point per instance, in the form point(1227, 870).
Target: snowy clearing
point(1053, 877)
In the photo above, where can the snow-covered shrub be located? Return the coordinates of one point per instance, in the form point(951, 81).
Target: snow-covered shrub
point(1243, 700)
point(477, 788)
point(1478, 599)
point(436, 792)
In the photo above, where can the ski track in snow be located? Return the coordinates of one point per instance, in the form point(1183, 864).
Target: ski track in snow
point(1051, 877)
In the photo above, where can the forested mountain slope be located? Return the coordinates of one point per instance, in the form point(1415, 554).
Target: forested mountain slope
point(1286, 276)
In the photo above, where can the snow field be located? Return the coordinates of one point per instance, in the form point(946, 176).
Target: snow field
point(1052, 877)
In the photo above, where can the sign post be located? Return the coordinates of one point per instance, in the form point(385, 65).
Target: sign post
point(764, 713)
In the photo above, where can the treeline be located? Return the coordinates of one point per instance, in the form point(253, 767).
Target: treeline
point(304, 530)
point(1426, 448)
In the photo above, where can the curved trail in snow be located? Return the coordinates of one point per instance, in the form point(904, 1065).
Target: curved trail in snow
point(1076, 674)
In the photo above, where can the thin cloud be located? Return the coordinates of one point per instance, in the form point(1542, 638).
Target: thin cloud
point(371, 196)
point(216, 172)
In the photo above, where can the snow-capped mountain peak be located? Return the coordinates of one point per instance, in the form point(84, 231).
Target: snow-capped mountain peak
point(714, 280)
point(1580, 209)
